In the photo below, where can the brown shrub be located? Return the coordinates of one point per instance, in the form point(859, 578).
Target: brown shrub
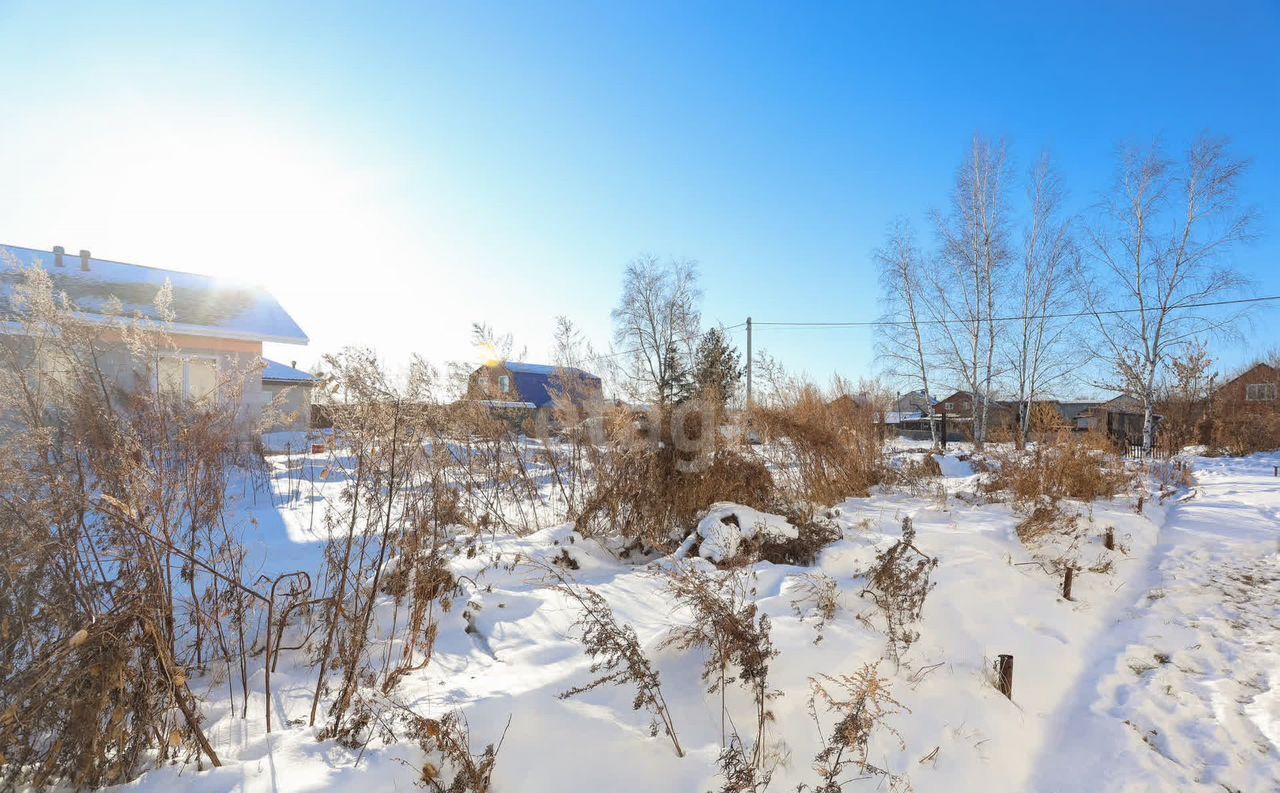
point(827, 454)
point(1070, 469)
point(641, 490)
point(1246, 434)
point(1044, 520)
point(815, 532)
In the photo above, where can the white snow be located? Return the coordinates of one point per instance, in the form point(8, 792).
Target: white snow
point(725, 526)
point(1159, 675)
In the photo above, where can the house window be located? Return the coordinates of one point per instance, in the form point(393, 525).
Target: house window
point(1260, 392)
point(504, 384)
point(947, 406)
point(190, 376)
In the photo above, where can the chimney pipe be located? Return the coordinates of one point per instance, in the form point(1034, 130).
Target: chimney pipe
point(84, 260)
point(58, 250)
point(293, 364)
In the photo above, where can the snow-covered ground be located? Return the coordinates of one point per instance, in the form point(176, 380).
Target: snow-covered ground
point(1183, 691)
point(1161, 674)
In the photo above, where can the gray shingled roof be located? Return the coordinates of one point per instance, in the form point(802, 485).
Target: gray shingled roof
point(202, 304)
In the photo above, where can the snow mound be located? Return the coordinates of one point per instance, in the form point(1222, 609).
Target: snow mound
point(726, 526)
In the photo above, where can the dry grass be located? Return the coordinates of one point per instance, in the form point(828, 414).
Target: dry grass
point(1245, 434)
point(827, 454)
point(1070, 468)
point(1045, 520)
point(641, 489)
point(119, 568)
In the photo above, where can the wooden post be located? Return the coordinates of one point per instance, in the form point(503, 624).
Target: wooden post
point(1109, 540)
point(1004, 675)
point(1066, 582)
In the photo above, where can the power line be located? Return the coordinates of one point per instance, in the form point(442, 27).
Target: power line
point(642, 350)
point(1066, 315)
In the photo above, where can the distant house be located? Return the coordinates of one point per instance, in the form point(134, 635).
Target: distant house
point(296, 386)
point(1247, 405)
point(1074, 413)
point(913, 401)
point(518, 388)
point(959, 408)
point(1121, 418)
point(1256, 390)
point(217, 326)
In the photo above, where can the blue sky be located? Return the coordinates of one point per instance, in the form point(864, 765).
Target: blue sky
point(396, 172)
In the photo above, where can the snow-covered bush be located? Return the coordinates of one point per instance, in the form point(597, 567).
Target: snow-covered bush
point(733, 534)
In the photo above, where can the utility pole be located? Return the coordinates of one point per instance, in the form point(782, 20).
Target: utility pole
point(748, 365)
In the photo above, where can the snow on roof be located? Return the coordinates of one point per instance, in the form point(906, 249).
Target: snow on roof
point(896, 417)
point(202, 304)
point(278, 372)
point(502, 403)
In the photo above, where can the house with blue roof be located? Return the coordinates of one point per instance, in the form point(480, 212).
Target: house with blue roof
point(215, 326)
point(531, 389)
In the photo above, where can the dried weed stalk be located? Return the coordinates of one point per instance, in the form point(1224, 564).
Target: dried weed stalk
point(818, 597)
point(899, 583)
point(862, 703)
point(451, 765)
point(735, 634)
point(616, 655)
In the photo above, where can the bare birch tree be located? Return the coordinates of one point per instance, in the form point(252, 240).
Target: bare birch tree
point(966, 280)
point(1038, 356)
point(1160, 241)
point(901, 342)
point(656, 325)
